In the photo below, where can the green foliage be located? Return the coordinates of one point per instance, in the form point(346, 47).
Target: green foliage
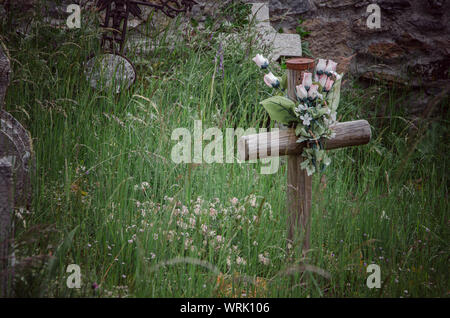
point(303, 35)
point(280, 109)
point(384, 203)
point(233, 18)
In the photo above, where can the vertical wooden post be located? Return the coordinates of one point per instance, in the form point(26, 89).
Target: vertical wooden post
point(299, 190)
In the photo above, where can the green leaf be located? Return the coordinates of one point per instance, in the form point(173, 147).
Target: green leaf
point(280, 109)
point(304, 164)
point(310, 169)
point(335, 95)
point(283, 82)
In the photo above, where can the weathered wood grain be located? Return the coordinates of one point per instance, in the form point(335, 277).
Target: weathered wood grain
point(263, 145)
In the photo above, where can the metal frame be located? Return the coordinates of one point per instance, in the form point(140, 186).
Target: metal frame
point(118, 11)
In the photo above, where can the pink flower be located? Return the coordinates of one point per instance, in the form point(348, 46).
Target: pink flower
point(212, 212)
point(261, 61)
point(321, 65)
point(271, 80)
point(301, 92)
point(328, 85)
point(322, 80)
point(307, 80)
point(331, 67)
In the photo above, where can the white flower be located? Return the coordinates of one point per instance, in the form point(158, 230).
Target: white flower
point(306, 119)
point(261, 61)
point(338, 77)
point(240, 261)
point(321, 65)
point(301, 92)
point(307, 80)
point(299, 109)
point(312, 93)
point(331, 67)
point(263, 259)
point(271, 80)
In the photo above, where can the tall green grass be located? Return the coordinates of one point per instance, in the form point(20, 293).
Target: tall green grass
point(108, 197)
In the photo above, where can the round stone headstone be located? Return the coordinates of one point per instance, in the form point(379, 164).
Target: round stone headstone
point(110, 71)
point(16, 147)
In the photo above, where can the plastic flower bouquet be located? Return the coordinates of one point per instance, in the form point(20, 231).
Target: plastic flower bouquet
point(313, 112)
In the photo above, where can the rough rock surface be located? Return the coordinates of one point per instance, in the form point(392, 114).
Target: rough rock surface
point(412, 46)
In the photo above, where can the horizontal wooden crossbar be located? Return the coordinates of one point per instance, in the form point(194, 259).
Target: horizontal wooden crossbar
point(259, 146)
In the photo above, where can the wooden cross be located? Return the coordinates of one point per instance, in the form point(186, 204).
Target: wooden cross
point(258, 146)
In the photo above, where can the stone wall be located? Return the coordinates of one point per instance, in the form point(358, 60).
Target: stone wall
point(412, 46)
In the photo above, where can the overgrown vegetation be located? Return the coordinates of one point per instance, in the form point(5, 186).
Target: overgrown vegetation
point(108, 197)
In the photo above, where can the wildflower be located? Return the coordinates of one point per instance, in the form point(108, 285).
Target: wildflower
point(331, 67)
point(321, 65)
point(264, 260)
point(313, 93)
point(130, 241)
point(261, 61)
point(301, 92)
point(219, 238)
point(328, 85)
point(187, 243)
point(204, 228)
point(213, 212)
point(155, 236)
point(240, 261)
point(94, 286)
point(307, 80)
point(271, 80)
point(234, 201)
point(253, 200)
